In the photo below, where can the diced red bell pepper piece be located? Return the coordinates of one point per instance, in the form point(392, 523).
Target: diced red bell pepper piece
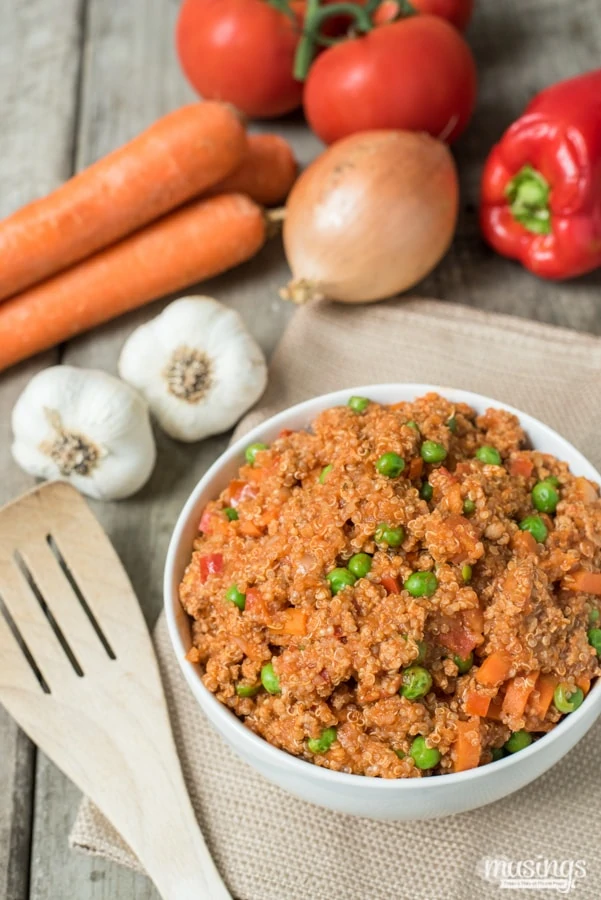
point(205, 521)
point(464, 632)
point(521, 466)
point(211, 564)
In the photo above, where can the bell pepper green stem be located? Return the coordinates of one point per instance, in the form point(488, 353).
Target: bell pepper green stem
point(315, 16)
point(528, 197)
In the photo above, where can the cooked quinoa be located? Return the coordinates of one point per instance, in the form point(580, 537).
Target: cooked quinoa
point(400, 590)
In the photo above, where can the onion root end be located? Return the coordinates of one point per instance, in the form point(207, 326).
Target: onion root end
point(301, 291)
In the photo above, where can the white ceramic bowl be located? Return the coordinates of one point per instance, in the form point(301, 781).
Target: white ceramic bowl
point(376, 798)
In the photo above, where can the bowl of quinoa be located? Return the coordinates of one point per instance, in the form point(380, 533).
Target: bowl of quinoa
point(388, 599)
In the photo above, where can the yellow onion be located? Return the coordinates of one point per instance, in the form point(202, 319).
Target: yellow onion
point(370, 217)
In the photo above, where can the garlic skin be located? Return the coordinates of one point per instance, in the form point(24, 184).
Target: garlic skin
point(197, 366)
point(85, 427)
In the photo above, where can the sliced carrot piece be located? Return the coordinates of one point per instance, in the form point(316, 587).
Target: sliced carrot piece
point(517, 694)
point(584, 684)
point(249, 529)
point(238, 491)
point(270, 515)
point(582, 580)
point(476, 704)
point(541, 697)
point(391, 584)
point(524, 542)
point(495, 669)
point(416, 467)
point(467, 746)
point(495, 710)
point(295, 621)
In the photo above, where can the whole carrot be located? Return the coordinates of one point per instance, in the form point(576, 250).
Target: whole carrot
point(266, 173)
point(193, 243)
point(179, 157)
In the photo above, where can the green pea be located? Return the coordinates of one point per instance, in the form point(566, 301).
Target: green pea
point(390, 464)
point(251, 451)
point(466, 573)
point(339, 579)
point(452, 425)
point(423, 756)
point(464, 664)
point(247, 690)
point(468, 506)
point(412, 424)
point(426, 491)
point(432, 452)
point(422, 649)
point(552, 479)
point(417, 681)
point(519, 740)
point(359, 564)
point(324, 473)
point(593, 616)
point(545, 497)
point(594, 639)
point(231, 513)
point(269, 679)
point(565, 700)
point(390, 534)
point(235, 596)
point(489, 455)
point(400, 754)
point(358, 404)
point(536, 527)
point(497, 753)
point(421, 584)
point(322, 744)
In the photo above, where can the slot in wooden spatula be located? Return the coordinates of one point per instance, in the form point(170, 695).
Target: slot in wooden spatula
point(79, 674)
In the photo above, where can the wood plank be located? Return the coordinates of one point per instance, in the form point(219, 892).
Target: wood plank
point(516, 58)
point(130, 77)
point(39, 55)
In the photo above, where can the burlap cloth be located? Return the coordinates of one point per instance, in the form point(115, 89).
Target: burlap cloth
point(270, 846)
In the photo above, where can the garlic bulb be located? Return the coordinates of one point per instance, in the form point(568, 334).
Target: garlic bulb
point(85, 427)
point(197, 366)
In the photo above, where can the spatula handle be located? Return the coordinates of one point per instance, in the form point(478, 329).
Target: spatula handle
point(187, 871)
point(159, 824)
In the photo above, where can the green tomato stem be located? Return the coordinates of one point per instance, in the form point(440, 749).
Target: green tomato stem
point(282, 6)
point(315, 16)
point(405, 8)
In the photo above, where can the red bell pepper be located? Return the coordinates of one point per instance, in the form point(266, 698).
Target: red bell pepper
point(541, 187)
point(212, 564)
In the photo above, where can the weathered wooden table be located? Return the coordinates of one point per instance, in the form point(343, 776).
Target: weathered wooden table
point(78, 78)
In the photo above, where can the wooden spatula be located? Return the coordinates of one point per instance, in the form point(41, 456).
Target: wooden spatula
point(78, 673)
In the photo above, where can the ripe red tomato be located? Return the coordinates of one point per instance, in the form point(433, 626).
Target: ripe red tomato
point(457, 12)
point(416, 74)
point(240, 51)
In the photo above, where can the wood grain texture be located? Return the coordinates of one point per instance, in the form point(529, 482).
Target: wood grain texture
point(520, 46)
point(129, 77)
point(39, 64)
point(100, 713)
